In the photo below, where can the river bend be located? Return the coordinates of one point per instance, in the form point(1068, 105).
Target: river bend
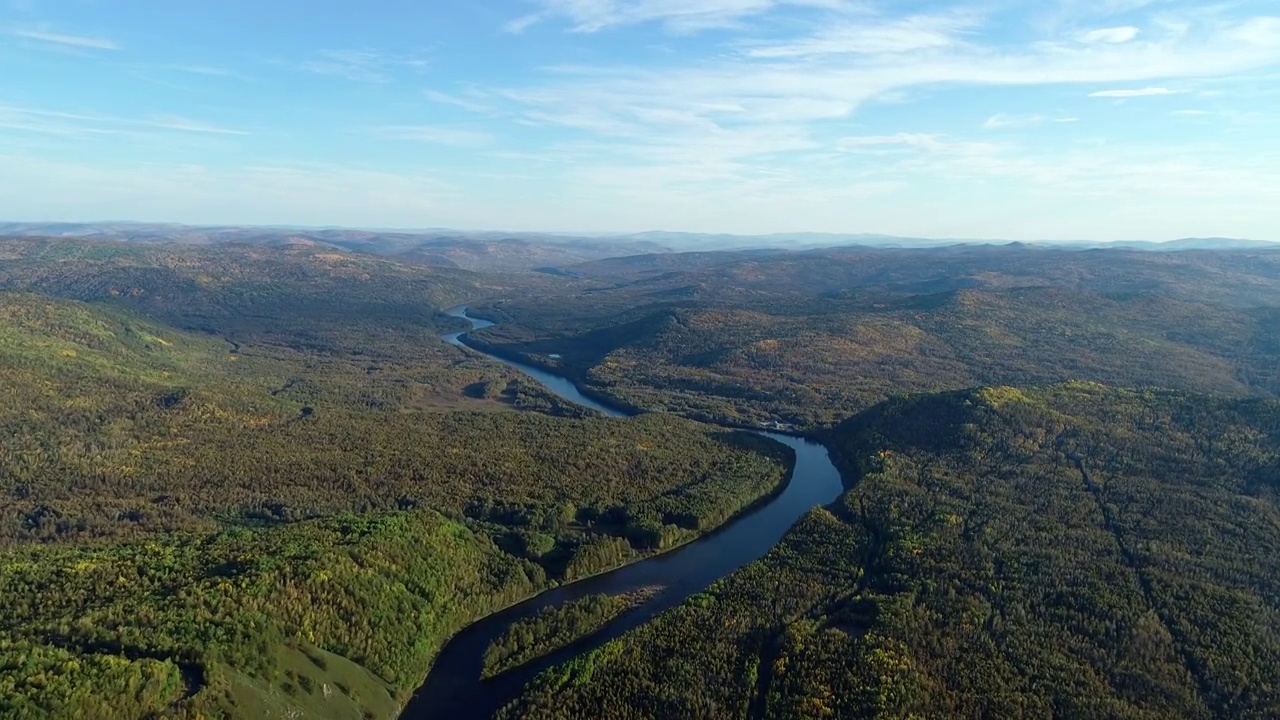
point(454, 689)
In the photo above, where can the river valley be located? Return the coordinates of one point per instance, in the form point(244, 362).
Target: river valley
point(454, 689)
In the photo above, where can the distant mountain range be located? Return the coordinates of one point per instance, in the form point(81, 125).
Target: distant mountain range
point(807, 241)
point(1213, 243)
point(504, 251)
point(487, 251)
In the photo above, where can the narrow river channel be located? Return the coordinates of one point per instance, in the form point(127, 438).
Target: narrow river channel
point(454, 688)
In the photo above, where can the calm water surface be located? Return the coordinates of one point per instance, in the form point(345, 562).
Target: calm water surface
point(454, 688)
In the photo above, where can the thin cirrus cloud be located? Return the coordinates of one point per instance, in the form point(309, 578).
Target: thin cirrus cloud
point(664, 127)
point(365, 66)
point(174, 122)
point(1260, 31)
point(1002, 121)
point(677, 15)
point(1115, 35)
point(927, 143)
point(758, 85)
point(58, 122)
point(470, 104)
point(724, 115)
point(921, 32)
point(206, 70)
point(434, 134)
point(70, 41)
point(1135, 92)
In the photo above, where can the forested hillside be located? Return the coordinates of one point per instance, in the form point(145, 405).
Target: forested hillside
point(315, 299)
point(118, 425)
point(256, 482)
point(1076, 552)
point(1242, 277)
point(811, 338)
point(252, 480)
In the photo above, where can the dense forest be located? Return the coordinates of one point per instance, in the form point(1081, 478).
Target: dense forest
point(117, 426)
point(556, 627)
point(1075, 552)
point(808, 339)
point(223, 495)
point(250, 480)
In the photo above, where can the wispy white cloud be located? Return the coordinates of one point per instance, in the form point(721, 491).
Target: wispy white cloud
point(471, 102)
point(1135, 92)
point(206, 70)
point(1235, 117)
point(435, 134)
point(65, 123)
point(1002, 121)
point(928, 143)
point(367, 66)
point(73, 41)
point(904, 140)
point(1260, 31)
point(174, 122)
point(677, 15)
point(772, 119)
point(766, 115)
point(1113, 35)
point(877, 37)
point(186, 78)
point(524, 22)
point(783, 87)
point(20, 120)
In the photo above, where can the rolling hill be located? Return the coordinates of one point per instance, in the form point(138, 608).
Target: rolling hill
point(811, 338)
point(251, 481)
point(1070, 552)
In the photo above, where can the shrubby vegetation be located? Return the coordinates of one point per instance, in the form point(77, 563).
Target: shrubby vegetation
point(1077, 552)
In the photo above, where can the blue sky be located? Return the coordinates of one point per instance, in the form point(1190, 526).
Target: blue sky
point(1045, 119)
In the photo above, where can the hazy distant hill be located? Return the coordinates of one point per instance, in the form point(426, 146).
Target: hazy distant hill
point(794, 241)
point(809, 241)
point(515, 250)
point(811, 337)
point(481, 251)
point(1213, 243)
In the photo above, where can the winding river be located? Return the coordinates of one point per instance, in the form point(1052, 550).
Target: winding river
point(454, 689)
